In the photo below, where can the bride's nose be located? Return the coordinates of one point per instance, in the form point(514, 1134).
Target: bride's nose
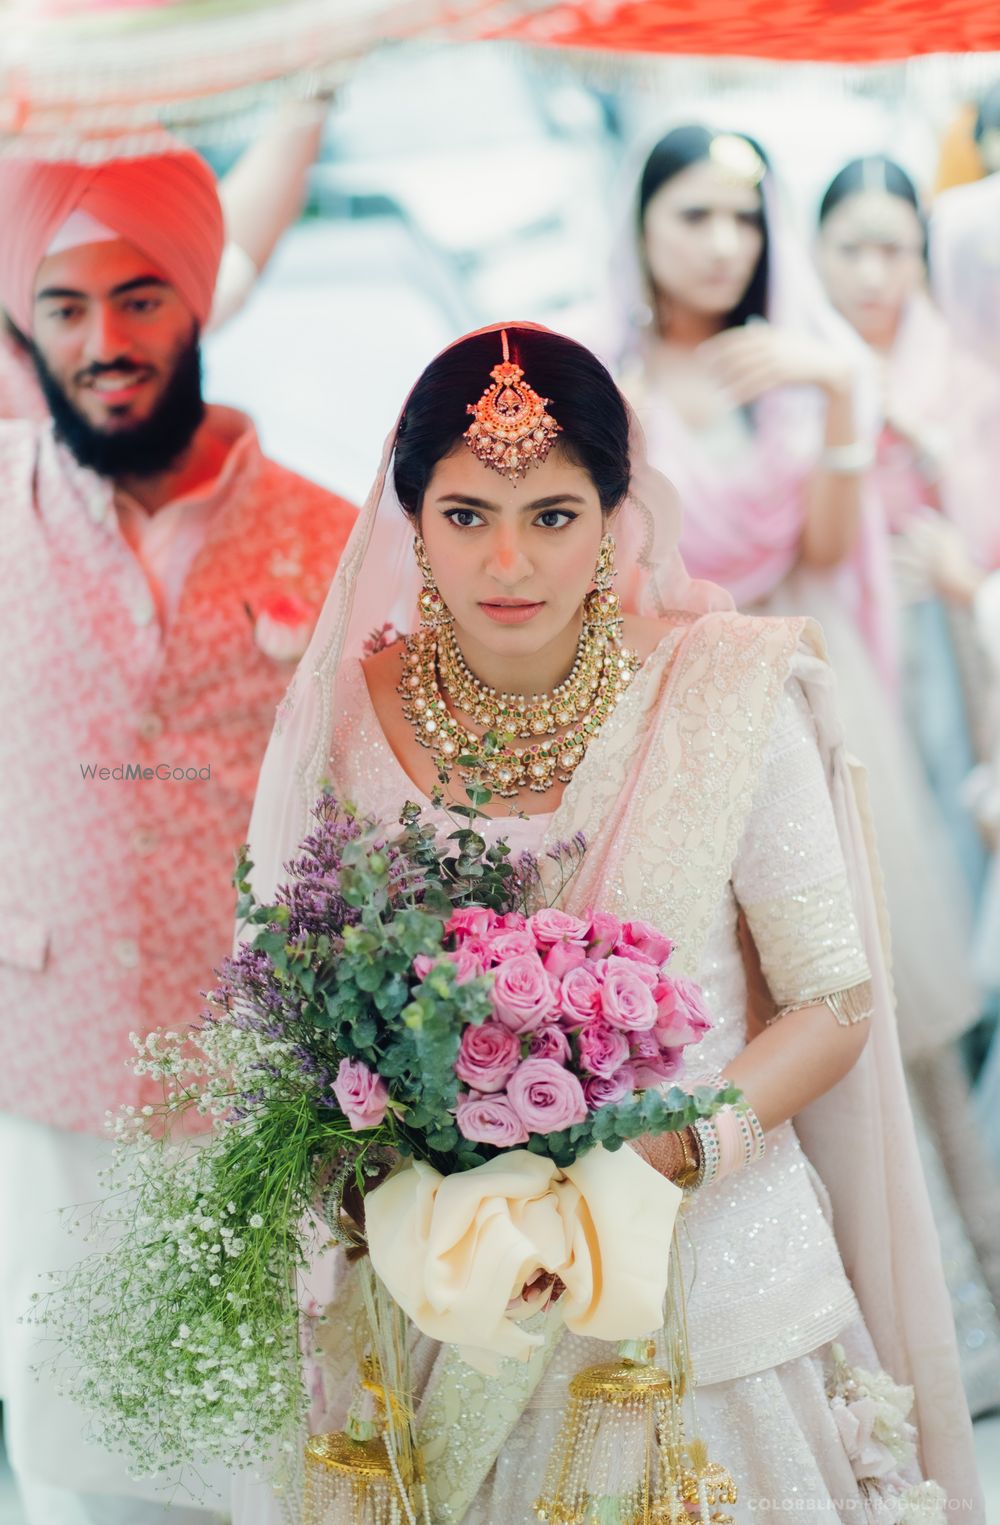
point(507, 563)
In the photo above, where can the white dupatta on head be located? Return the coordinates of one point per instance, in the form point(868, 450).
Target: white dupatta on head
point(860, 1134)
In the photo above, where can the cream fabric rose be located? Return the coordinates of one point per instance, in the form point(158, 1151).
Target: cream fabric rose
point(454, 1250)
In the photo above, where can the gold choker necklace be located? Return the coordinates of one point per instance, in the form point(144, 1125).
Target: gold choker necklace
point(517, 714)
point(562, 723)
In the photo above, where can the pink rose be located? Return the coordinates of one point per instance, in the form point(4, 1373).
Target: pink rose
point(466, 964)
point(487, 1056)
point(562, 957)
point(546, 1097)
point(470, 960)
point(603, 1090)
point(633, 962)
point(522, 993)
point(549, 1043)
point(283, 626)
point(627, 1001)
point(361, 1094)
point(512, 943)
point(548, 927)
point(602, 1048)
point(605, 930)
point(681, 1014)
point(692, 998)
point(651, 1064)
point(580, 997)
point(471, 921)
point(490, 1120)
point(648, 941)
point(511, 921)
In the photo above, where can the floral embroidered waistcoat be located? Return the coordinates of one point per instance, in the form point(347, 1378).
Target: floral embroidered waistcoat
point(116, 900)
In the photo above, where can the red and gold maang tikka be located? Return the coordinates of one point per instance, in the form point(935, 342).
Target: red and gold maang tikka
point(511, 428)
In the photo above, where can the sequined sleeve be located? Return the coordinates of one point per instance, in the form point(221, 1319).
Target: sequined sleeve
point(791, 880)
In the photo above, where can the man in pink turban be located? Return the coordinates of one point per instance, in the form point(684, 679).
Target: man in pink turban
point(260, 195)
point(160, 576)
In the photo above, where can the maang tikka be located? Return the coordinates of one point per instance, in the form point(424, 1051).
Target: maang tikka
point(512, 428)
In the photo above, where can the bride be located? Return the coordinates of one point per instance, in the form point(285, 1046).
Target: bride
point(698, 751)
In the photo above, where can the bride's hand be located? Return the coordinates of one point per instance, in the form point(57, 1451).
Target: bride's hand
point(747, 362)
point(664, 1151)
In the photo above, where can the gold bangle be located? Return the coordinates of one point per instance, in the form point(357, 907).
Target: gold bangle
point(692, 1158)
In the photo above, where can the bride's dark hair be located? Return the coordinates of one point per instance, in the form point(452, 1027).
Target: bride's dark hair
point(584, 401)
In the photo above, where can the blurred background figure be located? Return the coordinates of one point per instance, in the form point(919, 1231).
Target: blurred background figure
point(761, 405)
point(937, 453)
point(965, 268)
point(261, 195)
point(970, 148)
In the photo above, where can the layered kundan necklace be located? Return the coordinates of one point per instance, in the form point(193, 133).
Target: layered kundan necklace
point(524, 741)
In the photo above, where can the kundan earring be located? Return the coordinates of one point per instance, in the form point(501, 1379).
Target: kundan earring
point(434, 612)
point(604, 607)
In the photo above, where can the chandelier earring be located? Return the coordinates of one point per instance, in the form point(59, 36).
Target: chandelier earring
point(434, 612)
point(603, 606)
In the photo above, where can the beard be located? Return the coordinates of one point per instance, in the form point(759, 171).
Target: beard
point(146, 448)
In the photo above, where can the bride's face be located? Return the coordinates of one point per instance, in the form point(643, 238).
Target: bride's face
point(513, 560)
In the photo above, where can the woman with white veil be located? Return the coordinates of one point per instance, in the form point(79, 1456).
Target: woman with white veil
point(714, 795)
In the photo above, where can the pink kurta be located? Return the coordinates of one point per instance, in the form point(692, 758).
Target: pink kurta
point(115, 894)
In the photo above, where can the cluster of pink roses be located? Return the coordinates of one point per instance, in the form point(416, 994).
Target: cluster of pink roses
point(583, 1016)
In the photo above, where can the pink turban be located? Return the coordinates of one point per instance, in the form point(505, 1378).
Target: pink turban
point(166, 204)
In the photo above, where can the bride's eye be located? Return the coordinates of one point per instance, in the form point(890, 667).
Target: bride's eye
point(465, 518)
point(555, 519)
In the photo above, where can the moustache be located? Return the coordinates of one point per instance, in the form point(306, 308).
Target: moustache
point(122, 367)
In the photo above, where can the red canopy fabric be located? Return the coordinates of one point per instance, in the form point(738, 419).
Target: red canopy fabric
point(859, 31)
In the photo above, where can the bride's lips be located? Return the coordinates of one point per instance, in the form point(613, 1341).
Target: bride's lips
point(510, 611)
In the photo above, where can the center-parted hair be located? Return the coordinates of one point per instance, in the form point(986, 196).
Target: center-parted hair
point(874, 172)
point(583, 399)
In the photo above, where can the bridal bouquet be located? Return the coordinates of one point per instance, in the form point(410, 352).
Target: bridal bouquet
point(412, 1049)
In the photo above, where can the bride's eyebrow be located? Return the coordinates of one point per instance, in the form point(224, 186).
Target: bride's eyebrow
point(481, 503)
